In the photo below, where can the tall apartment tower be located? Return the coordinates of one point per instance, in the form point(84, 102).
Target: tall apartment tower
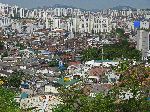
point(143, 42)
point(22, 15)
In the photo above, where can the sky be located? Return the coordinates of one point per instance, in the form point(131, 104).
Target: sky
point(85, 4)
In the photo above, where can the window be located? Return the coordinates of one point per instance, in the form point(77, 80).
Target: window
point(86, 24)
point(82, 25)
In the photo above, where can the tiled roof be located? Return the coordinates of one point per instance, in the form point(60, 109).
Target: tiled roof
point(97, 71)
point(74, 63)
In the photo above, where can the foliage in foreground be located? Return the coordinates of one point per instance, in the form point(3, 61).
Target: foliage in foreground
point(7, 103)
point(133, 79)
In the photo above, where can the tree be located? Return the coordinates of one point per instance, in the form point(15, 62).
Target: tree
point(15, 79)
point(121, 50)
point(120, 32)
point(112, 52)
point(7, 103)
point(5, 54)
point(90, 54)
point(134, 79)
point(1, 45)
point(53, 63)
point(21, 46)
point(75, 100)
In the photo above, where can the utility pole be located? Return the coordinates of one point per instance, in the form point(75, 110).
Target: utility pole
point(103, 48)
point(102, 52)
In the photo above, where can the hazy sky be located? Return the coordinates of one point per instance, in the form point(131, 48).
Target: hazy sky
point(86, 4)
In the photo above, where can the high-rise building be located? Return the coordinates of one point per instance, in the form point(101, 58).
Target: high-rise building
point(143, 42)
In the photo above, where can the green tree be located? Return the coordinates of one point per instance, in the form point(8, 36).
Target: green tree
point(134, 79)
point(5, 54)
point(1, 45)
point(120, 32)
point(53, 63)
point(7, 103)
point(21, 46)
point(112, 52)
point(90, 54)
point(15, 79)
point(121, 50)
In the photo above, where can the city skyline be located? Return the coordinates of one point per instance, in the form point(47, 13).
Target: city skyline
point(85, 4)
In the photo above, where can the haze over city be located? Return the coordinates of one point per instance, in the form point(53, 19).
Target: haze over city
point(86, 4)
point(74, 55)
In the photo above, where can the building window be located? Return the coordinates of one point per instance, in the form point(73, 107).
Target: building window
point(82, 25)
point(86, 24)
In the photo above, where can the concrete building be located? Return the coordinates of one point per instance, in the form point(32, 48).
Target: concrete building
point(143, 42)
point(145, 24)
point(21, 13)
point(101, 24)
point(5, 21)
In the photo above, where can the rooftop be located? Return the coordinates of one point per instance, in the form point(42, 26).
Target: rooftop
point(67, 83)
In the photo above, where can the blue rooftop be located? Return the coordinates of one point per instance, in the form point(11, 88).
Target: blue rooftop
point(136, 24)
point(25, 86)
point(46, 52)
point(24, 95)
point(148, 99)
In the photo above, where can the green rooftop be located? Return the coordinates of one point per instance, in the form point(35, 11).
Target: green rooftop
point(67, 83)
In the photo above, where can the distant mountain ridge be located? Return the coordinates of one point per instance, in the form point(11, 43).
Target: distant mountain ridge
point(59, 6)
point(65, 6)
point(123, 8)
point(93, 10)
point(62, 6)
